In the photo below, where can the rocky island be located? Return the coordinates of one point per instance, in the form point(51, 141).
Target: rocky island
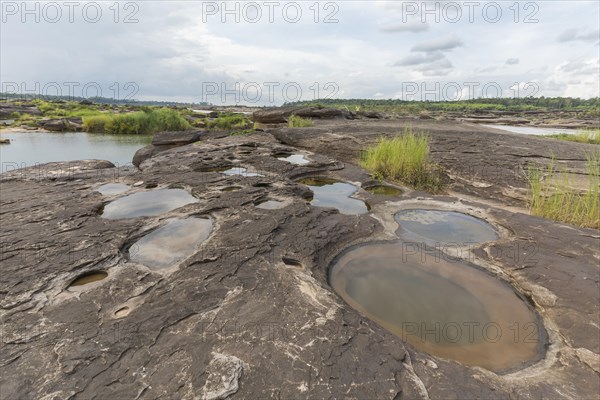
point(233, 266)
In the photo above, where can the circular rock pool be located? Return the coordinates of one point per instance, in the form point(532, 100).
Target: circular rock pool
point(436, 226)
point(446, 308)
point(150, 203)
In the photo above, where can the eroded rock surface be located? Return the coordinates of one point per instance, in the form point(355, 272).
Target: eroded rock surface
point(251, 313)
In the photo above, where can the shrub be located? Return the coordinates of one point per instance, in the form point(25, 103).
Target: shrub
point(552, 196)
point(404, 158)
point(144, 122)
point(586, 136)
point(229, 122)
point(299, 122)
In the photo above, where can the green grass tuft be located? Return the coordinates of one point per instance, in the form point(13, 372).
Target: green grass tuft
point(144, 122)
point(299, 122)
point(591, 136)
point(404, 158)
point(229, 122)
point(552, 196)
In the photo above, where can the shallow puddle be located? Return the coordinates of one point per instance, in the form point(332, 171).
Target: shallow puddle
point(448, 309)
point(271, 205)
point(331, 193)
point(87, 278)
point(240, 171)
point(443, 227)
point(111, 189)
point(149, 203)
point(383, 190)
point(297, 159)
point(171, 243)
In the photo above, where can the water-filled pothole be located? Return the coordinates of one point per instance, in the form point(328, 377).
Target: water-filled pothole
point(331, 193)
point(231, 188)
point(448, 309)
point(89, 277)
point(149, 203)
point(434, 226)
point(171, 243)
point(271, 205)
point(383, 190)
point(111, 189)
point(241, 171)
point(297, 159)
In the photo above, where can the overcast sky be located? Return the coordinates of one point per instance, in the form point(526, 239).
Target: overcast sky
point(348, 49)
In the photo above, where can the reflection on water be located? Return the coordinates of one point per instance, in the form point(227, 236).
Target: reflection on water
point(297, 159)
point(444, 308)
point(111, 189)
point(150, 203)
point(532, 130)
point(171, 243)
point(331, 193)
point(383, 190)
point(241, 172)
point(433, 226)
point(30, 148)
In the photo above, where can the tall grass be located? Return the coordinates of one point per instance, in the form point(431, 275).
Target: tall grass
point(137, 123)
point(404, 158)
point(299, 122)
point(229, 122)
point(591, 136)
point(552, 194)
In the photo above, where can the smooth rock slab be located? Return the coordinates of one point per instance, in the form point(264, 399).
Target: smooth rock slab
point(145, 204)
point(171, 243)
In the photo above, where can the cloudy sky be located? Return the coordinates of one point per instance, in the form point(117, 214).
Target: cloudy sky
point(268, 52)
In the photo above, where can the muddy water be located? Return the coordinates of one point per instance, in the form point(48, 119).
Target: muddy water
point(331, 193)
point(149, 203)
point(448, 309)
point(171, 243)
point(433, 226)
point(89, 278)
point(383, 190)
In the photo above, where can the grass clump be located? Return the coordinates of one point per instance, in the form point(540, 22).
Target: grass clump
point(591, 136)
point(552, 196)
point(299, 122)
point(229, 122)
point(144, 122)
point(404, 158)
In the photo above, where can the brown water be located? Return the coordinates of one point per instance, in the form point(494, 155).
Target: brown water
point(171, 243)
point(444, 227)
point(89, 278)
point(448, 309)
point(150, 203)
point(383, 190)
